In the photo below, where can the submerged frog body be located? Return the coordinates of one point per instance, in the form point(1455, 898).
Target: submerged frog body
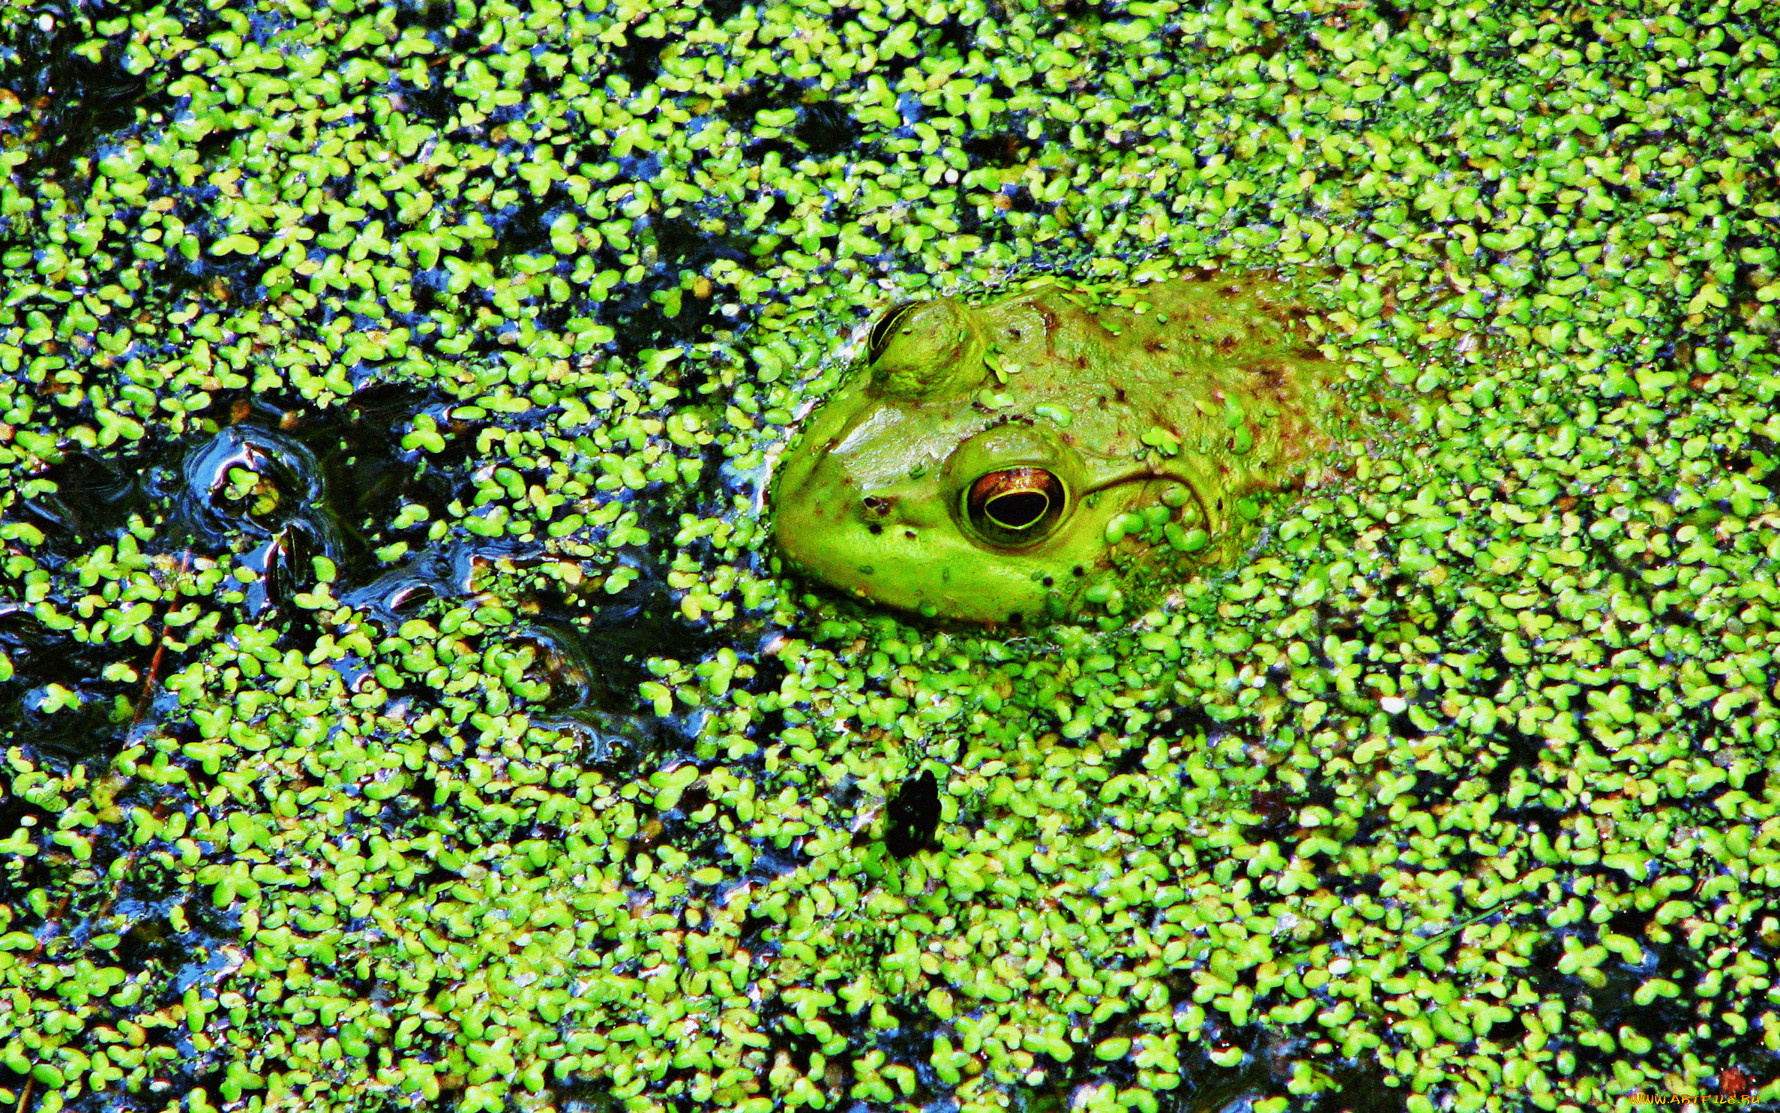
point(1022, 457)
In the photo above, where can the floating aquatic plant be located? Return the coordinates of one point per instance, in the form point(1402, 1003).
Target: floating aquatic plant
point(1456, 795)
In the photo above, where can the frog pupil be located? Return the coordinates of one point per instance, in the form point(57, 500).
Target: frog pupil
point(1019, 510)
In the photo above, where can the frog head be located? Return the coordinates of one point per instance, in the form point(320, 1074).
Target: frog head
point(906, 490)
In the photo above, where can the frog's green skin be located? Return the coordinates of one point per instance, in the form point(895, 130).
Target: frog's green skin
point(1159, 411)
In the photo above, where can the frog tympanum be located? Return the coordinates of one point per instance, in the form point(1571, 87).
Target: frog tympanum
point(1017, 458)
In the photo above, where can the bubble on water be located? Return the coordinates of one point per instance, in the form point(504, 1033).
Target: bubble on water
point(247, 485)
point(554, 664)
point(250, 481)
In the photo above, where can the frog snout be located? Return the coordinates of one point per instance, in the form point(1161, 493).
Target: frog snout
point(879, 512)
point(883, 511)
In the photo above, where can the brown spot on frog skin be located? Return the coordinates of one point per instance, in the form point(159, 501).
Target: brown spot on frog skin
point(1272, 377)
point(1157, 346)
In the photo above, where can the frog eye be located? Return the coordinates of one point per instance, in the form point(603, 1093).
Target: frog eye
point(880, 332)
point(1015, 506)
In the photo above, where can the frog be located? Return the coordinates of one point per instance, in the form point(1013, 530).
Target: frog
point(1027, 455)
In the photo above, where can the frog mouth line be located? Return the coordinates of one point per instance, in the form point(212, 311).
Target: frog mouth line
point(1213, 515)
point(1191, 477)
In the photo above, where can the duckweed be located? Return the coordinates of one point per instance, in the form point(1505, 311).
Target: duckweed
point(400, 706)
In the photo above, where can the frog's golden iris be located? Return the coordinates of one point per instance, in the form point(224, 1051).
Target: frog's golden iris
point(880, 332)
point(1001, 461)
point(1015, 506)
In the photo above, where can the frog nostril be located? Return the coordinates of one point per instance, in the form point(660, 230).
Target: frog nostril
point(877, 506)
